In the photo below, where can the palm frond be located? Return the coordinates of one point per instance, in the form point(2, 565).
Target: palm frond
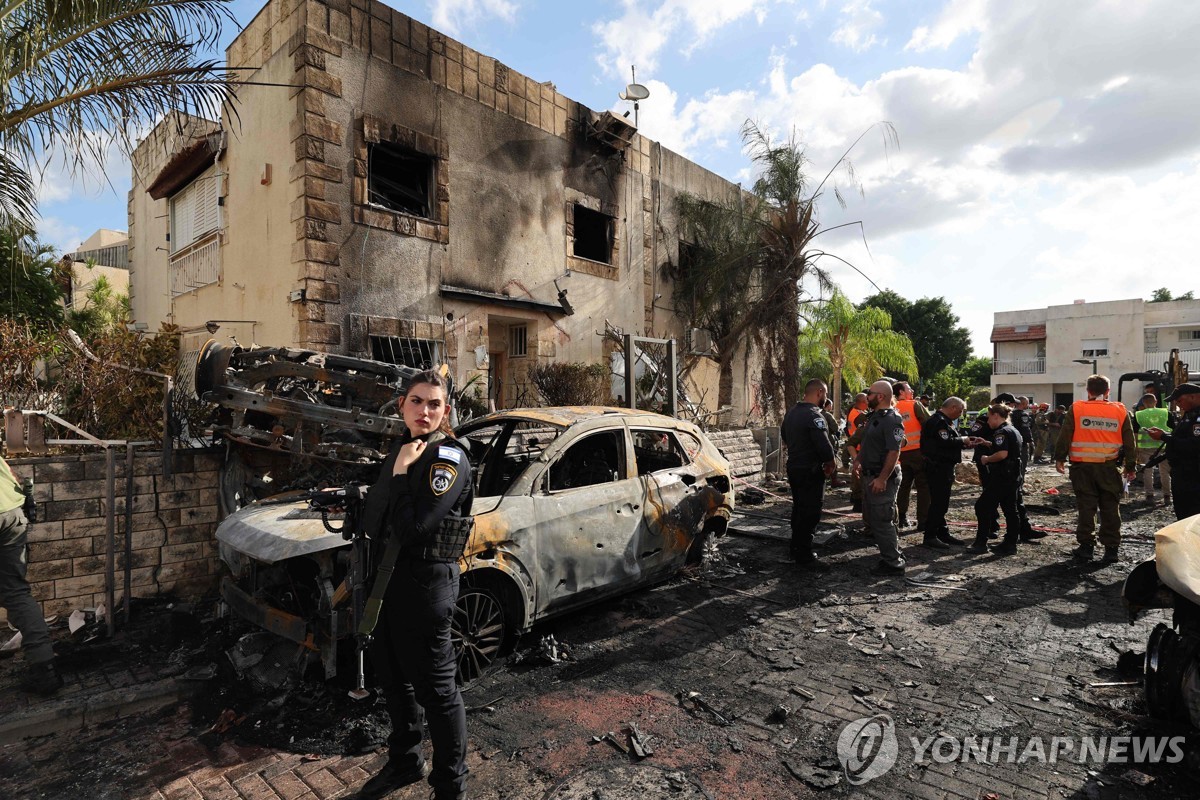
point(80, 75)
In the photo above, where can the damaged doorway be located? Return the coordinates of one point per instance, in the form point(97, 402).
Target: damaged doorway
point(509, 342)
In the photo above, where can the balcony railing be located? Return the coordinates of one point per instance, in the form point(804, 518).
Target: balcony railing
point(197, 265)
point(1018, 366)
point(1156, 360)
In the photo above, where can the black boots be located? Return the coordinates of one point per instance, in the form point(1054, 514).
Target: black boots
point(42, 678)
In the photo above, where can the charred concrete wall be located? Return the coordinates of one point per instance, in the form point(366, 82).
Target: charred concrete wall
point(310, 258)
point(174, 520)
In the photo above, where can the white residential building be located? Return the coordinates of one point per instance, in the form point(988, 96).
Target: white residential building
point(1047, 353)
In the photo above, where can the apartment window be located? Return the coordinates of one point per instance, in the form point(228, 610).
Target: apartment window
point(1094, 348)
point(593, 235)
point(399, 179)
point(195, 210)
point(1150, 340)
point(1189, 336)
point(518, 341)
point(415, 353)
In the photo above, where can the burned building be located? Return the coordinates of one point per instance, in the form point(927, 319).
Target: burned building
point(383, 191)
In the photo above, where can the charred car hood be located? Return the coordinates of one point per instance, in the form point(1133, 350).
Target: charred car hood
point(1177, 557)
point(271, 532)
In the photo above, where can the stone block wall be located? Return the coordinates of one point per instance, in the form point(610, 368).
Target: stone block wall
point(174, 521)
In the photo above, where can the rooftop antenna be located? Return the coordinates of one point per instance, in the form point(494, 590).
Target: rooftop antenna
point(635, 92)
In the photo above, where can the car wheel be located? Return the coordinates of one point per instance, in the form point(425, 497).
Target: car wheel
point(478, 631)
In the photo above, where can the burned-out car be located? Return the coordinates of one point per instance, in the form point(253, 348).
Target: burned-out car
point(572, 505)
point(1171, 580)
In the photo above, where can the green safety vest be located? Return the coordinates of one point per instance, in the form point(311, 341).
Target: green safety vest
point(1150, 418)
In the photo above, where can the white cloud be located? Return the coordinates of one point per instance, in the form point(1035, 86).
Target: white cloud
point(453, 16)
point(958, 18)
point(640, 33)
point(858, 24)
point(63, 236)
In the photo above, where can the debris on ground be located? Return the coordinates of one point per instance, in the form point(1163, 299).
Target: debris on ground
point(822, 775)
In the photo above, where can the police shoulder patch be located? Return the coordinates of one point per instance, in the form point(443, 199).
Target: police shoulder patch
point(1196, 430)
point(819, 422)
point(999, 438)
point(441, 478)
point(450, 453)
point(945, 434)
point(898, 433)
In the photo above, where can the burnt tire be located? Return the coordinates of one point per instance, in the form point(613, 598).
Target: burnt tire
point(479, 631)
point(211, 364)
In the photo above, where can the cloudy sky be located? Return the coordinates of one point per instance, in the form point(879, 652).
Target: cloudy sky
point(1047, 152)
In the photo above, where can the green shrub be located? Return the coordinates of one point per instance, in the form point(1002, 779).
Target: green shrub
point(572, 384)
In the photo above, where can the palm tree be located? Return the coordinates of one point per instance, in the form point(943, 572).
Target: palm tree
point(754, 257)
point(858, 344)
point(78, 75)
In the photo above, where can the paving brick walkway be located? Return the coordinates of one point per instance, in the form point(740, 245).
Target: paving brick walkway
point(1007, 648)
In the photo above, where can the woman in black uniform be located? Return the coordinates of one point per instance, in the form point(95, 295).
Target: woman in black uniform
point(422, 496)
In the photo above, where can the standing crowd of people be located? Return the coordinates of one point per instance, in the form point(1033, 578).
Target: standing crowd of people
point(896, 448)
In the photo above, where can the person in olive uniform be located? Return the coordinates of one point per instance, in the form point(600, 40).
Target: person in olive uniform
point(424, 482)
point(1183, 450)
point(1097, 436)
point(1001, 459)
point(809, 464)
point(942, 446)
point(835, 434)
point(878, 461)
point(16, 598)
point(855, 417)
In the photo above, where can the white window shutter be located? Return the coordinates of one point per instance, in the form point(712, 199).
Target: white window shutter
point(182, 219)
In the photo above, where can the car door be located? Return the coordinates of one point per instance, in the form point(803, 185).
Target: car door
point(587, 510)
point(671, 486)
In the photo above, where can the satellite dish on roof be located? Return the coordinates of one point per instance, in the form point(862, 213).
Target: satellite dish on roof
point(635, 92)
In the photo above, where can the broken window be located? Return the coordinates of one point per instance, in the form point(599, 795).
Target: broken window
point(595, 459)
point(499, 452)
point(656, 451)
point(416, 353)
point(593, 235)
point(400, 179)
point(517, 341)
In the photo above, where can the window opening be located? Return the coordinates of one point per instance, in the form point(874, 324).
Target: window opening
point(500, 452)
point(656, 451)
point(593, 460)
point(194, 211)
point(1094, 348)
point(399, 179)
point(416, 353)
point(593, 235)
point(517, 340)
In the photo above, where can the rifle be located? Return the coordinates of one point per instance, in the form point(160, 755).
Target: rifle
point(351, 499)
point(1159, 456)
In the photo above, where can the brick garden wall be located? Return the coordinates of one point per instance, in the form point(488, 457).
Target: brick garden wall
point(174, 519)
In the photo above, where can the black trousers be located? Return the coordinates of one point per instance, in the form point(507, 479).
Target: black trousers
point(999, 493)
point(1185, 492)
point(940, 477)
point(808, 492)
point(414, 662)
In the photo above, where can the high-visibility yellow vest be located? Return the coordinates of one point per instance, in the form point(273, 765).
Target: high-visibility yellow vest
point(1150, 418)
point(912, 425)
point(1097, 435)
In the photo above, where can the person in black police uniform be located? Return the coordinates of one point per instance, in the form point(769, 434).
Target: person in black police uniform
point(1021, 418)
point(1002, 460)
point(424, 482)
point(1025, 417)
point(1183, 450)
point(942, 446)
point(809, 464)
